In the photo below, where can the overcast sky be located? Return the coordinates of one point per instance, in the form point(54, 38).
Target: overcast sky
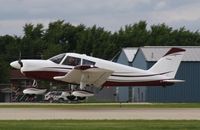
point(110, 14)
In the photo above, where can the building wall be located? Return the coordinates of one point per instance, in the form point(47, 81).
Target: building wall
point(122, 93)
point(129, 93)
point(189, 91)
point(107, 94)
point(139, 93)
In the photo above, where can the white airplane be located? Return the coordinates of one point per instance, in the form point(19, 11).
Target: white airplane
point(85, 70)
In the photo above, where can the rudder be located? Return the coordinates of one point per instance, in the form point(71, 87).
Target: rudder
point(169, 63)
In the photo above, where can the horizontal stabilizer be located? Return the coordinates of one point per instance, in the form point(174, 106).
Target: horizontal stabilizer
point(174, 81)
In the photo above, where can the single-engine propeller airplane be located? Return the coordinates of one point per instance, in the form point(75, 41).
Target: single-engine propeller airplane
point(85, 71)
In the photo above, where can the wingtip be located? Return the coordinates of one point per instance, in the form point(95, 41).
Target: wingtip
point(174, 50)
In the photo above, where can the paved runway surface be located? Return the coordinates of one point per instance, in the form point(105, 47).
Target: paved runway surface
point(148, 114)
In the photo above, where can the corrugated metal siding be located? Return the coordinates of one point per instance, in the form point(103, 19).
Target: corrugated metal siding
point(106, 94)
point(189, 70)
point(189, 91)
point(139, 93)
point(122, 59)
point(139, 61)
point(122, 92)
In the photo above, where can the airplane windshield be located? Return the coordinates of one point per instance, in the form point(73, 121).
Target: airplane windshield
point(57, 59)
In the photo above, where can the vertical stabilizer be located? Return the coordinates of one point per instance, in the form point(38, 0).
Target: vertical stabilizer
point(169, 63)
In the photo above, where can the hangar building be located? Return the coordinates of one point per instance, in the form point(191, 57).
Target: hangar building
point(144, 58)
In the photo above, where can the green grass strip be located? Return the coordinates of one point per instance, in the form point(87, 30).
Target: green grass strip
point(100, 105)
point(100, 125)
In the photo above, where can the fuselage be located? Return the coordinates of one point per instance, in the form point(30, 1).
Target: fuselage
point(60, 65)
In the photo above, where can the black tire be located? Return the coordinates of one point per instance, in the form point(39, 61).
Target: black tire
point(71, 98)
point(81, 98)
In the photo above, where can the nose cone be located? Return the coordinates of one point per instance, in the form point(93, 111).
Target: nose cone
point(15, 65)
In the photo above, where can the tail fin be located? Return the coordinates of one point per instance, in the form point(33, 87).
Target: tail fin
point(169, 63)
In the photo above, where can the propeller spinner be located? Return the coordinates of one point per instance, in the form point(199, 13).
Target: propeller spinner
point(17, 64)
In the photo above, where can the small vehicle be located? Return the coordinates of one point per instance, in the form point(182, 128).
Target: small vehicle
point(63, 96)
point(56, 96)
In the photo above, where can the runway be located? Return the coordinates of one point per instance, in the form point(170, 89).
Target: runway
point(97, 114)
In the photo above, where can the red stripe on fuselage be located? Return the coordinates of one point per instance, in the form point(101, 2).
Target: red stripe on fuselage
point(48, 75)
point(144, 83)
point(45, 75)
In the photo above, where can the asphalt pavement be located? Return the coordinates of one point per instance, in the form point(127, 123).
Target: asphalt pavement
point(117, 114)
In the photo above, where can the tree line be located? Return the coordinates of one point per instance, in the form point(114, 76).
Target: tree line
point(59, 37)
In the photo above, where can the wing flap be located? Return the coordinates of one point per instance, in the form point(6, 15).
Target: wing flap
point(91, 75)
point(72, 77)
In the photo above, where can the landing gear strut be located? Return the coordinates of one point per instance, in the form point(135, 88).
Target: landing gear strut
point(35, 84)
point(81, 93)
point(83, 81)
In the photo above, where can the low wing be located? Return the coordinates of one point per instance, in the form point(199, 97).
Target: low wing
point(88, 74)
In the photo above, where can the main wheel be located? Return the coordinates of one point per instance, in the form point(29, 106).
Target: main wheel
point(71, 97)
point(81, 98)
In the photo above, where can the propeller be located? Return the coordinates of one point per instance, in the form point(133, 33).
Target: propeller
point(19, 61)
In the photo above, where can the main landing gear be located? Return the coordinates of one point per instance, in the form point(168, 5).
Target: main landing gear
point(81, 93)
point(77, 94)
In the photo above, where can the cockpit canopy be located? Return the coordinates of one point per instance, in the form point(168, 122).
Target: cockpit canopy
point(65, 59)
point(58, 58)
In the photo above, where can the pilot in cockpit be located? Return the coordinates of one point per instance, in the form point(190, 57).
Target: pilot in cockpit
point(71, 61)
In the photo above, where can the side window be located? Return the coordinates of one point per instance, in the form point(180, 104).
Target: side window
point(87, 62)
point(73, 61)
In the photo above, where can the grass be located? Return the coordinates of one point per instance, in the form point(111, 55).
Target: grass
point(100, 125)
point(100, 105)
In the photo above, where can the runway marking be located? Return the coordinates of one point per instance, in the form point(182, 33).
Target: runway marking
point(98, 114)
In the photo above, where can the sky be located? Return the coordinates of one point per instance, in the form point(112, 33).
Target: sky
point(110, 14)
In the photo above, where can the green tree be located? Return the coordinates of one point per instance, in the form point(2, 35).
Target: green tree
point(52, 50)
point(4, 69)
point(133, 35)
point(160, 35)
point(32, 43)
